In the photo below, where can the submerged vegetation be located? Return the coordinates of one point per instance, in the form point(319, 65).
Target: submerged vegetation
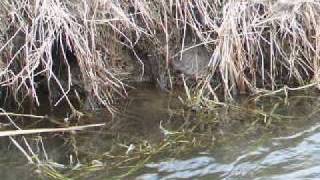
point(89, 53)
point(136, 139)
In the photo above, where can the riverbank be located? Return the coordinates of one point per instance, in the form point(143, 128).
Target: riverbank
point(74, 58)
point(87, 52)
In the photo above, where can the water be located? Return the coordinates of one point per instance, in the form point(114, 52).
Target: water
point(243, 147)
point(288, 151)
point(277, 158)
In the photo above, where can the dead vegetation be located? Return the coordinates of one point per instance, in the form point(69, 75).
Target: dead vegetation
point(254, 46)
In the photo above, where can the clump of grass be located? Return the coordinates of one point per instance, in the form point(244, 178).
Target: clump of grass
point(254, 44)
point(33, 30)
point(265, 46)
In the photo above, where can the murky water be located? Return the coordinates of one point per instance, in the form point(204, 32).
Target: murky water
point(268, 157)
point(242, 145)
point(290, 150)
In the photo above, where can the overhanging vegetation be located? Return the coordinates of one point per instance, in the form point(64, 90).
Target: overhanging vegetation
point(253, 45)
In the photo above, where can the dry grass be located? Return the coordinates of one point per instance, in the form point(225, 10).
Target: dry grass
point(259, 46)
point(33, 28)
point(255, 45)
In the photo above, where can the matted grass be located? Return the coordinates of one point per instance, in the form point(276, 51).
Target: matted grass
point(255, 45)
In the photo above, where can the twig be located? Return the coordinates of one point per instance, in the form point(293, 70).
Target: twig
point(46, 130)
